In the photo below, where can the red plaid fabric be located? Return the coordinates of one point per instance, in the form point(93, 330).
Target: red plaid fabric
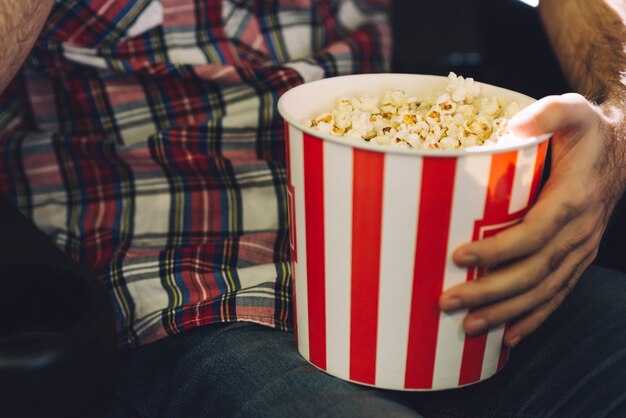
point(142, 136)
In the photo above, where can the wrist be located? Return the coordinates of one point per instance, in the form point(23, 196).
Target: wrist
point(613, 130)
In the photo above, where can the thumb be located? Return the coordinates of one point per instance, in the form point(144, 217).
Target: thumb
point(551, 114)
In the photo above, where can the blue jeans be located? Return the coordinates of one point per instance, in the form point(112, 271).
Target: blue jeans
point(573, 366)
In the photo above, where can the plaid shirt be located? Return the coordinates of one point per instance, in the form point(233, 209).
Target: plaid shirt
point(142, 136)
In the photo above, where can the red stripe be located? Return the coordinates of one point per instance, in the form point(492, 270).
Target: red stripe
point(367, 201)
point(499, 191)
point(314, 225)
point(473, 355)
point(534, 191)
point(539, 164)
point(500, 187)
point(430, 261)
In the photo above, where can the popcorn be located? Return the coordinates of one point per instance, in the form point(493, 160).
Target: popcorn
point(490, 107)
point(457, 118)
point(462, 89)
point(445, 104)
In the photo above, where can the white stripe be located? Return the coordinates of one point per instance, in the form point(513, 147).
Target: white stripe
point(86, 59)
point(524, 172)
point(492, 352)
point(186, 55)
point(338, 238)
point(296, 149)
point(253, 276)
point(151, 17)
point(152, 269)
point(401, 191)
point(181, 37)
point(470, 190)
point(152, 211)
point(307, 71)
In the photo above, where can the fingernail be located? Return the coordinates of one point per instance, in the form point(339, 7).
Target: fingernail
point(513, 341)
point(468, 259)
point(451, 304)
point(476, 326)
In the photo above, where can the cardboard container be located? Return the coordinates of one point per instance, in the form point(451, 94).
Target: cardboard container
point(373, 229)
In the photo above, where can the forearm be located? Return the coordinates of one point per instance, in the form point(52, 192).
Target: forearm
point(589, 40)
point(589, 37)
point(20, 24)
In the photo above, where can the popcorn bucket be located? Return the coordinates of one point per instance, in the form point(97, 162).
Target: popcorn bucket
point(373, 229)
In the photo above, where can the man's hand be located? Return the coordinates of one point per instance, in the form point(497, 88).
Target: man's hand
point(558, 238)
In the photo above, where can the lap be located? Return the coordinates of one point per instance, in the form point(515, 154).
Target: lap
point(574, 365)
point(242, 370)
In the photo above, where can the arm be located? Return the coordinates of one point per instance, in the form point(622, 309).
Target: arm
point(545, 255)
point(20, 24)
point(588, 39)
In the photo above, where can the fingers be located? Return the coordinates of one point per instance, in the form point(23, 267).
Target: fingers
point(539, 226)
point(553, 113)
point(550, 290)
point(480, 320)
point(577, 240)
point(563, 198)
point(547, 252)
point(504, 283)
point(529, 323)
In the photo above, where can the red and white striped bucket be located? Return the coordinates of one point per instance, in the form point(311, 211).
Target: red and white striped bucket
point(373, 230)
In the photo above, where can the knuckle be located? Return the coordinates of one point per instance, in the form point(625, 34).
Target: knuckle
point(577, 201)
point(553, 288)
point(589, 251)
point(554, 104)
point(534, 233)
point(570, 284)
point(578, 270)
point(477, 292)
point(497, 316)
point(554, 108)
point(496, 251)
point(533, 277)
point(586, 231)
point(555, 260)
point(575, 98)
point(564, 213)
